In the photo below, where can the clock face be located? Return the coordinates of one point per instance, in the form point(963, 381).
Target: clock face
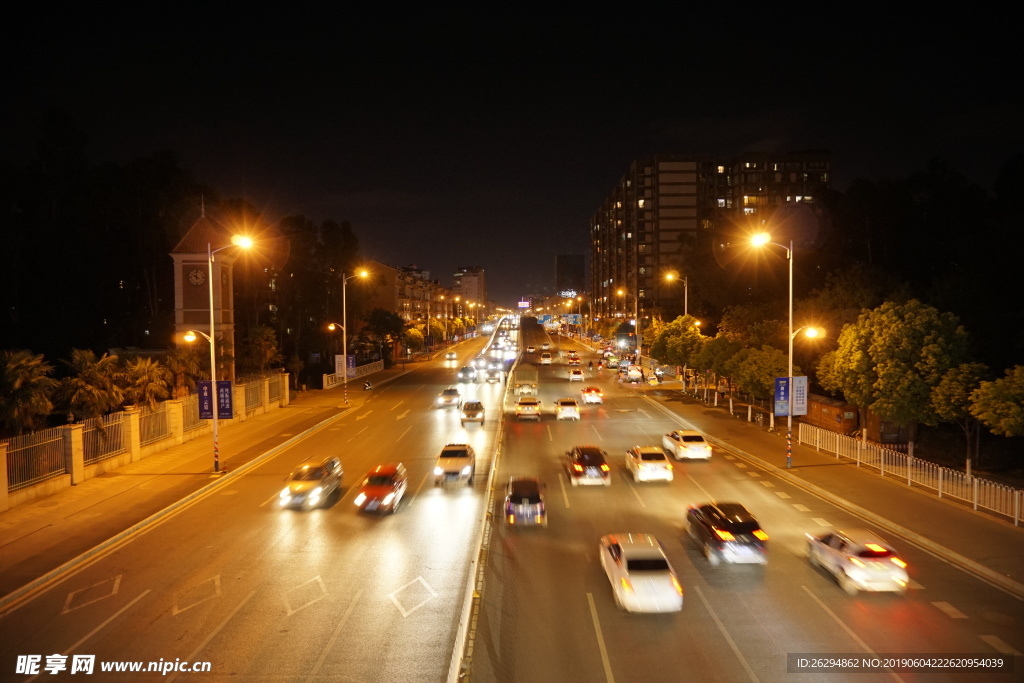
point(197, 276)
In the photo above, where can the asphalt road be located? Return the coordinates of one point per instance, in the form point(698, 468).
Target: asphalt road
point(547, 611)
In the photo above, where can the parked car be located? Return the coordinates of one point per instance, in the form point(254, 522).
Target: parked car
point(457, 462)
point(524, 502)
point(588, 466)
point(686, 444)
point(310, 485)
point(528, 408)
point(567, 409)
point(859, 559)
point(641, 577)
point(383, 488)
point(648, 463)
point(472, 411)
point(727, 532)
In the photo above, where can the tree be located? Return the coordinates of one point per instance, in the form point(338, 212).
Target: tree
point(892, 357)
point(999, 405)
point(25, 389)
point(715, 354)
point(387, 328)
point(259, 350)
point(414, 339)
point(951, 400)
point(145, 381)
point(92, 390)
point(183, 364)
point(754, 370)
point(678, 342)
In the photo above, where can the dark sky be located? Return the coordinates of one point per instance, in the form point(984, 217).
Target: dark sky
point(449, 140)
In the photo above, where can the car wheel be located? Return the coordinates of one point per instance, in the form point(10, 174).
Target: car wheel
point(812, 557)
point(847, 584)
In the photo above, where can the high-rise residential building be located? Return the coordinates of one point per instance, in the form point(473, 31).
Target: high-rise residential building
point(570, 274)
point(653, 221)
point(469, 284)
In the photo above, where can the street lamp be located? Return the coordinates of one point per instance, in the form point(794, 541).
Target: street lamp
point(190, 336)
point(671, 277)
point(361, 273)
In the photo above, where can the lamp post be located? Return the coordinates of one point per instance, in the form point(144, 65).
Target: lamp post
point(362, 273)
point(671, 277)
point(190, 336)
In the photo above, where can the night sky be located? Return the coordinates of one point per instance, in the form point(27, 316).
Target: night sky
point(491, 139)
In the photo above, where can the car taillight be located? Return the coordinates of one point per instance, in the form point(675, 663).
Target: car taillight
point(511, 519)
point(668, 465)
point(898, 562)
point(724, 535)
point(676, 584)
point(605, 468)
point(760, 535)
point(578, 467)
point(626, 585)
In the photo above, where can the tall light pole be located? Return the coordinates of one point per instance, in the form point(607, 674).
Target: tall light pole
point(362, 273)
point(672, 277)
point(190, 336)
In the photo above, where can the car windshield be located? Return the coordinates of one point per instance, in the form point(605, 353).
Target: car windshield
point(472, 405)
point(379, 480)
point(647, 564)
point(455, 453)
point(308, 474)
point(693, 438)
point(524, 494)
point(652, 455)
point(594, 459)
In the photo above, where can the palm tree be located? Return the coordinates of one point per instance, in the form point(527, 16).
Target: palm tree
point(183, 364)
point(145, 381)
point(93, 390)
point(25, 390)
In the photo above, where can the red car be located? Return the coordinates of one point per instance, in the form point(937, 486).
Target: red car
point(383, 488)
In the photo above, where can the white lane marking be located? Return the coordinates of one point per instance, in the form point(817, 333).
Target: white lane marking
point(730, 457)
point(210, 636)
point(821, 522)
point(397, 404)
point(551, 437)
point(333, 638)
point(782, 494)
point(418, 489)
point(402, 435)
point(565, 494)
point(767, 484)
point(754, 474)
point(363, 416)
point(846, 628)
point(725, 634)
point(1001, 646)
point(801, 508)
point(599, 437)
point(393, 597)
point(741, 465)
point(637, 494)
point(706, 494)
point(401, 415)
point(110, 593)
point(359, 432)
point(320, 592)
point(600, 640)
point(949, 610)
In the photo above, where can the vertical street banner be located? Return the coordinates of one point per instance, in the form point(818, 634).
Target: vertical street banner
point(224, 400)
point(350, 366)
point(782, 397)
point(799, 395)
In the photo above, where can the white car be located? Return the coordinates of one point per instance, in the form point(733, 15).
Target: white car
point(567, 409)
point(528, 407)
point(859, 559)
point(545, 358)
point(592, 395)
point(641, 577)
point(575, 375)
point(648, 463)
point(457, 462)
point(686, 444)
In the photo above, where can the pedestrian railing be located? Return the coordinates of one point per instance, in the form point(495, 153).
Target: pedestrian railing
point(153, 424)
point(190, 413)
point(103, 437)
point(979, 493)
point(34, 458)
point(253, 397)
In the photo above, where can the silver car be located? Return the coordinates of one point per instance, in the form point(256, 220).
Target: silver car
point(311, 484)
point(859, 559)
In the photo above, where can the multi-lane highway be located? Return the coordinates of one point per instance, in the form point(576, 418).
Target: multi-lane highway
point(548, 614)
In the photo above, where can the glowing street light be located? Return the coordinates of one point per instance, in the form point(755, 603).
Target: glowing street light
point(361, 273)
point(236, 241)
point(672, 277)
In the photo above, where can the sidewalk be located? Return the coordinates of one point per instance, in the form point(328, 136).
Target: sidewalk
point(981, 543)
point(38, 537)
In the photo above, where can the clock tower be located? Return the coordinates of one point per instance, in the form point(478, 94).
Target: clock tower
point(192, 287)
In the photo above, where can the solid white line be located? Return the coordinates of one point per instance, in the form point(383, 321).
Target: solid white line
point(397, 404)
point(565, 495)
point(846, 628)
point(551, 437)
point(949, 610)
point(728, 638)
point(637, 494)
point(600, 640)
point(333, 638)
point(404, 433)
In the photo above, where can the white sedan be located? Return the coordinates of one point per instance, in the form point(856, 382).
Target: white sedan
point(648, 463)
point(567, 409)
point(859, 559)
point(575, 375)
point(641, 577)
point(686, 444)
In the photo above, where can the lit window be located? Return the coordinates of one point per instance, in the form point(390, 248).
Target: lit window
point(640, 203)
point(721, 202)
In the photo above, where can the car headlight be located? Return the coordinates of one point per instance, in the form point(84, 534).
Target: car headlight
point(360, 499)
point(315, 493)
point(388, 498)
point(286, 493)
point(438, 471)
point(466, 470)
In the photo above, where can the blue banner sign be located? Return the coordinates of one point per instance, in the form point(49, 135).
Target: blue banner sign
point(224, 399)
point(782, 397)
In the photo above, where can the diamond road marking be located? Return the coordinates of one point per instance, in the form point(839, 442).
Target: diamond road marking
point(207, 590)
point(314, 586)
point(822, 522)
point(949, 610)
point(1000, 645)
point(782, 494)
point(99, 593)
point(767, 483)
point(408, 587)
point(801, 508)
point(742, 465)
point(754, 474)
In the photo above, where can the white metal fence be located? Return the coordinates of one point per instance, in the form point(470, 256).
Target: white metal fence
point(981, 494)
point(103, 437)
point(153, 424)
point(35, 457)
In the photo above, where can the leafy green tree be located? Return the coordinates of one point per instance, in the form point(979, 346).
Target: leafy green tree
point(715, 354)
point(892, 357)
point(414, 339)
point(999, 405)
point(678, 342)
point(386, 328)
point(753, 324)
point(259, 350)
point(145, 381)
point(436, 329)
point(951, 399)
point(25, 390)
point(93, 389)
point(754, 370)
point(183, 364)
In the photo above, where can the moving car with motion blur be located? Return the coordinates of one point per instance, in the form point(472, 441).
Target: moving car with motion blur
point(567, 409)
point(383, 488)
point(449, 398)
point(456, 463)
point(467, 374)
point(575, 375)
point(472, 411)
point(592, 395)
point(648, 463)
point(859, 559)
point(727, 532)
point(524, 502)
point(641, 577)
point(588, 466)
point(450, 355)
point(686, 444)
point(528, 408)
point(310, 484)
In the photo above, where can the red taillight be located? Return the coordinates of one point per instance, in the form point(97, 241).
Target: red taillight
point(511, 519)
point(898, 562)
point(724, 535)
point(760, 535)
point(578, 467)
point(605, 468)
